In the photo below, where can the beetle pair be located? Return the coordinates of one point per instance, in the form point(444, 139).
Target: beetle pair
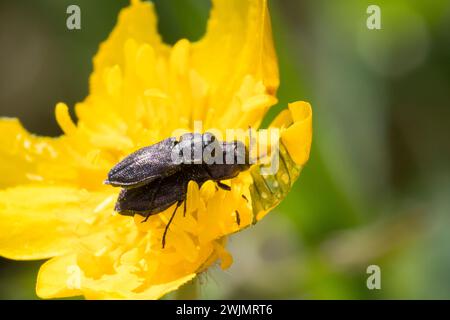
point(153, 179)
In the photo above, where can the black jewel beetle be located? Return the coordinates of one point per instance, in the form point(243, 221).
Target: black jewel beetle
point(155, 177)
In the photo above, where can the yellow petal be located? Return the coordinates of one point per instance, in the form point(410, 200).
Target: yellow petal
point(238, 42)
point(225, 257)
point(282, 120)
point(39, 222)
point(159, 290)
point(64, 277)
point(26, 158)
point(298, 137)
point(59, 277)
point(268, 190)
point(19, 151)
point(137, 22)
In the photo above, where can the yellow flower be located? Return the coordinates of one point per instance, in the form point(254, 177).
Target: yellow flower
point(52, 200)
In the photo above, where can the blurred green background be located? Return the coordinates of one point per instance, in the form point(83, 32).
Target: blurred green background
point(377, 187)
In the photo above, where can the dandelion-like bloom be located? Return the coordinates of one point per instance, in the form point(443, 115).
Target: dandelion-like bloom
point(53, 203)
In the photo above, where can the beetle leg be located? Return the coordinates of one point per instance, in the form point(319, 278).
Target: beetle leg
point(168, 224)
point(146, 217)
point(151, 201)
